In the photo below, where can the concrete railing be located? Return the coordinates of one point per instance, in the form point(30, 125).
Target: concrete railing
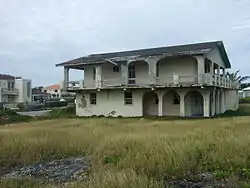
point(7, 91)
point(203, 79)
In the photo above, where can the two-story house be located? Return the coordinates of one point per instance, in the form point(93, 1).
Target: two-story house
point(183, 80)
point(14, 89)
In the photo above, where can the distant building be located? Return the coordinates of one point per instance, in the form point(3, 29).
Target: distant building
point(14, 89)
point(244, 93)
point(54, 91)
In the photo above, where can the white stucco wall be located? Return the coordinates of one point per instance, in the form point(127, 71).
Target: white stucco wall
point(110, 77)
point(214, 56)
point(108, 102)
point(181, 66)
point(232, 100)
point(21, 85)
point(88, 77)
point(169, 108)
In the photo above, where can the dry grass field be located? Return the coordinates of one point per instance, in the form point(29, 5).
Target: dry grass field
point(133, 152)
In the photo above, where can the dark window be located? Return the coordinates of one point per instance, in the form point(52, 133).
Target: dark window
point(92, 98)
point(28, 89)
point(156, 100)
point(57, 95)
point(45, 90)
point(131, 74)
point(116, 68)
point(157, 70)
point(56, 90)
point(176, 99)
point(94, 73)
point(128, 98)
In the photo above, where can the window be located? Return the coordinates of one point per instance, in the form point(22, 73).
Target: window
point(94, 73)
point(56, 90)
point(116, 68)
point(131, 74)
point(176, 99)
point(57, 95)
point(92, 98)
point(128, 98)
point(28, 89)
point(45, 90)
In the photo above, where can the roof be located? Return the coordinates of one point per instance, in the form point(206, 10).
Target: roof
point(6, 77)
point(246, 89)
point(53, 87)
point(195, 47)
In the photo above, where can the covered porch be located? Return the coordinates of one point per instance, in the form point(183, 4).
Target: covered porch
point(184, 102)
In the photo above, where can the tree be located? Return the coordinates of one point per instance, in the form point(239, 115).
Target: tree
point(236, 78)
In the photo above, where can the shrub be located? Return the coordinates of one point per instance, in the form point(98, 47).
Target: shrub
point(69, 99)
point(55, 103)
point(245, 100)
point(30, 106)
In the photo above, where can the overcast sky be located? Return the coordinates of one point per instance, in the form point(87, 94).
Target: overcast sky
point(37, 34)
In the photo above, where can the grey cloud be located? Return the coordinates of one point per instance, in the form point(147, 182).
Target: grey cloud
point(35, 35)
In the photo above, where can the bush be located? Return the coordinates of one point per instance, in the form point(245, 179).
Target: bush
point(51, 104)
point(245, 100)
point(69, 99)
point(30, 106)
point(9, 116)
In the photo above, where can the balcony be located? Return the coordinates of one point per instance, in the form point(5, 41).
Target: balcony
point(7, 91)
point(205, 79)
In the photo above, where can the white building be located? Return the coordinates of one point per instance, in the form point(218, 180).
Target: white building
point(244, 92)
point(15, 89)
point(185, 80)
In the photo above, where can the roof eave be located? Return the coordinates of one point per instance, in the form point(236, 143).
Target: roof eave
point(224, 55)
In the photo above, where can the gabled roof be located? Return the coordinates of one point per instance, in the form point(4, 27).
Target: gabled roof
point(53, 87)
point(6, 77)
point(195, 47)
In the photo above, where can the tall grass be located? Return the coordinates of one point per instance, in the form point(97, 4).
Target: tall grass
point(132, 152)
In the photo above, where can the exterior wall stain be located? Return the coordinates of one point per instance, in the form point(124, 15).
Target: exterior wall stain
point(83, 102)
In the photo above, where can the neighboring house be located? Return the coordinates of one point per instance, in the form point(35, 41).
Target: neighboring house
point(40, 96)
point(14, 89)
point(244, 93)
point(55, 91)
point(185, 80)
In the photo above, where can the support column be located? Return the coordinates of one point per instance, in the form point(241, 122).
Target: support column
point(213, 103)
point(222, 101)
point(152, 69)
point(124, 70)
point(182, 103)
point(212, 67)
point(66, 77)
point(206, 103)
point(98, 76)
point(219, 77)
point(201, 68)
point(217, 102)
point(160, 104)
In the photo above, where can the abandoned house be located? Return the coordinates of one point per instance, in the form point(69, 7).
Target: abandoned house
point(184, 80)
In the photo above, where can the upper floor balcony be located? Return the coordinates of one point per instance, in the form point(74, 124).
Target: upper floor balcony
point(168, 72)
point(9, 91)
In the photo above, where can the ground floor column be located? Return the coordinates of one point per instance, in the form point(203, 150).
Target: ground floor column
point(182, 104)
point(213, 102)
point(217, 98)
point(222, 102)
point(206, 103)
point(160, 104)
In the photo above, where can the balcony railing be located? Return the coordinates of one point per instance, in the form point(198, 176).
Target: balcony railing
point(206, 79)
point(7, 91)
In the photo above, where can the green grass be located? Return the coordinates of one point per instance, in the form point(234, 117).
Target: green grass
point(133, 152)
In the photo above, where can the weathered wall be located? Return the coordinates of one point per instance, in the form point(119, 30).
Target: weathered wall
point(169, 108)
point(232, 100)
point(214, 56)
point(150, 107)
point(23, 95)
point(109, 77)
point(88, 77)
point(109, 104)
point(184, 66)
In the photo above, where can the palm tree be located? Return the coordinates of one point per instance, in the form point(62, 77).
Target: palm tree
point(236, 78)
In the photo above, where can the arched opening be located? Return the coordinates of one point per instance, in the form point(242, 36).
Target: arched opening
point(169, 70)
point(150, 104)
point(194, 104)
point(138, 73)
point(171, 104)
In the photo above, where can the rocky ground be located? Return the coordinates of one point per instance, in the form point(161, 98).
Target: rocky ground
point(204, 180)
point(57, 171)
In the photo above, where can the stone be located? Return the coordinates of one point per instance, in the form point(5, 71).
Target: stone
point(57, 171)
